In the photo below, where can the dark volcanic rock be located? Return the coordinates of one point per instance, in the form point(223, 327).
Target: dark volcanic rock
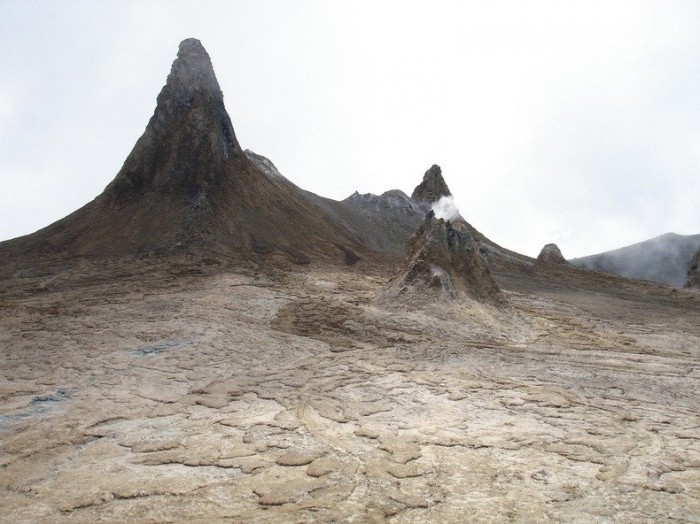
point(393, 217)
point(694, 272)
point(432, 187)
point(189, 138)
point(188, 185)
point(392, 205)
point(551, 254)
point(443, 260)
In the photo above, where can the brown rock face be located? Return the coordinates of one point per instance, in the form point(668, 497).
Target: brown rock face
point(187, 184)
point(551, 254)
point(189, 139)
point(432, 187)
point(694, 272)
point(443, 260)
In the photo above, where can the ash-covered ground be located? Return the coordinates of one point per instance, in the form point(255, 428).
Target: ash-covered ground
point(194, 391)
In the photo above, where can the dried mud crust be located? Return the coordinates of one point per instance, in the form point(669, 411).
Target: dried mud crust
point(341, 325)
point(268, 397)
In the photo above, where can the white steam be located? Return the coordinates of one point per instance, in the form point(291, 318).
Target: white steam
point(437, 272)
point(445, 208)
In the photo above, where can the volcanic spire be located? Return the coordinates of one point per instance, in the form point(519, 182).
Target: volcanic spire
point(187, 186)
point(189, 138)
point(443, 262)
point(432, 187)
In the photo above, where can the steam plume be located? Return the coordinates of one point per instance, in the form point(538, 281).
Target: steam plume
point(445, 208)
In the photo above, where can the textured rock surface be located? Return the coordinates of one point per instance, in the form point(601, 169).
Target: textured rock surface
point(443, 261)
point(551, 254)
point(189, 139)
point(694, 272)
point(156, 392)
point(204, 388)
point(187, 185)
point(432, 187)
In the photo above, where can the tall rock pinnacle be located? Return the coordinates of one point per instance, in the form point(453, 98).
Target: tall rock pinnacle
point(189, 138)
point(187, 186)
point(432, 187)
point(191, 72)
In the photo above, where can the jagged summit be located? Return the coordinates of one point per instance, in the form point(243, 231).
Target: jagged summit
point(443, 262)
point(191, 71)
point(189, 138)
point(432, 187)
point(187, 186)
point(551, 254)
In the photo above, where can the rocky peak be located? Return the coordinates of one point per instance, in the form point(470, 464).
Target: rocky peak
point(443, 258)
point(189, 140)
point(694, 271)
point(432, 187)
point(191, 72)
point(551, 254)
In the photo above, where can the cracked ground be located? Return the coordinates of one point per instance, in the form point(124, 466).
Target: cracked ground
point(262, 396)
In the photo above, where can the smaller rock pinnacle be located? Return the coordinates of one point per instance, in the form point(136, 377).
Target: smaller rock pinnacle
point(432, 187)
point(551, 254)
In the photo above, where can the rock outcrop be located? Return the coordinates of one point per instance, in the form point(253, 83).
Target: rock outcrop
point(189, 140)
point(188, 185)
point(551, 254)
point(432, 187)
point(694, 272)
point(443, 262)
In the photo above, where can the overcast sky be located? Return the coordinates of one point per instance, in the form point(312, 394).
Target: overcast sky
point(569, 122)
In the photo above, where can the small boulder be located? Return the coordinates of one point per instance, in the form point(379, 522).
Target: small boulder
point(551, 254)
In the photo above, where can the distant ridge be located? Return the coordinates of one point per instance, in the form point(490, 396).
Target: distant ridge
point(663, 259)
